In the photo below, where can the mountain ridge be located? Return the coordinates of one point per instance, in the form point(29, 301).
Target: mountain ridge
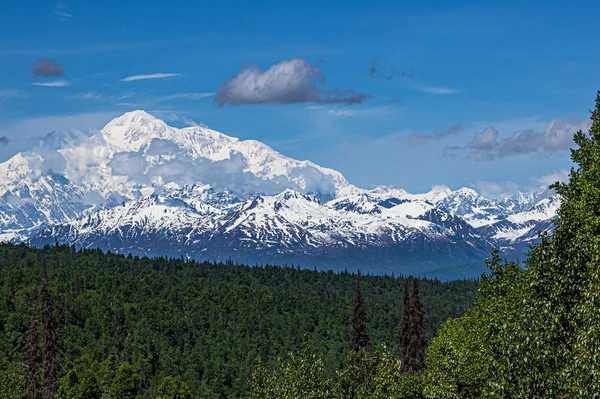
point(198, 192)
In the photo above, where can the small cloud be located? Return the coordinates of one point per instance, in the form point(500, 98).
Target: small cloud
point(185, 96)
point(289, 82)
point(12, 94)
point(47, 68)
point(4, 141)
point(58, 83)
point(486, 146)
point(170, 116)
point(361, 142)
point(356, 112)
point(415, 139)
point(95, 96)
point(375, 72)
point(341, 112)
point(561, 176)
point(451, 152)
point(437, 89)
point(150, 76)
point(63, 11)
point(492, 190)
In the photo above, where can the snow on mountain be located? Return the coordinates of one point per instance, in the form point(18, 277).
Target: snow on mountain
point(289, 225)
point(472, 207)
point(141, 186)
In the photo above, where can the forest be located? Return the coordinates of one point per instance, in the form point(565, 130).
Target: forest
point(140, 327)
point(85, 324)
point(533, 331)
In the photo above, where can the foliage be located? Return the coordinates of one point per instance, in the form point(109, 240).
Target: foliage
point(414, 341)
point(534, 333)
point(359, 336)
point(300, 377)
point(206, 323)
point(363, 376)
point(93, 380)
point(174, 388)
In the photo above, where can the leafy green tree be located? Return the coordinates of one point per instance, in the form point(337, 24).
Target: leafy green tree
point(469, 357)
point(125, 385)
point(174, 388)
point(300, 377)
point(12, 382)
point(379, 376)
point(82, 381)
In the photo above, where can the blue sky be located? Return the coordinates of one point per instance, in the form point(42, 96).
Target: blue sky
point(444, 73)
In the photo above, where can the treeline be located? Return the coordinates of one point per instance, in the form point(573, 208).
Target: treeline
point(534, 331)
point(87, 324)
point(365, 373)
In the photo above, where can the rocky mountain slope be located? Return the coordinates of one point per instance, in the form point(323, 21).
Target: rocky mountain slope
point(141, 186)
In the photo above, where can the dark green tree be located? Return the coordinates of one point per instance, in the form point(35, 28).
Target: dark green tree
point(404, 333)
point(415, 350)
point(82, 381)
point(359, 336)
point(32, 356)
point(50, 345)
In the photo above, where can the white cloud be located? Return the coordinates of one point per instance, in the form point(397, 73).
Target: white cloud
point(358, 112)
point(12, 93)
point(288, 82)
point(491, 190)
point(58, 83)
point(63, 11)
point(150, 76)
point(39, 126)
point(437, 89)
point(551, 178)
point(486, 145)
point(504, 189)
point(185, 96)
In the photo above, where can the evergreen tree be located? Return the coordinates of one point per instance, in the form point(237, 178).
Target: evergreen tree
point(416, 340)
point(32, 357)
point(359, 336)
point(126, 383)
point(174, 388)
point(50, 348)
point(405, 325)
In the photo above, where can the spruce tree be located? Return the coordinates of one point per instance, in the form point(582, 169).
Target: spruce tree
point(32, 357)
point(405, 326)
point(416, 340)
point(359, 337)
point(50, 348)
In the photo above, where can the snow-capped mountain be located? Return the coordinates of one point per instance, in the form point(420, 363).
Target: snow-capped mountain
point(141, 186)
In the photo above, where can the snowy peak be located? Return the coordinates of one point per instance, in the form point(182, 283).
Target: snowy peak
point(132, 130)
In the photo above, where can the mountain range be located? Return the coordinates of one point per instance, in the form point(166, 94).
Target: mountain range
point(143, 187)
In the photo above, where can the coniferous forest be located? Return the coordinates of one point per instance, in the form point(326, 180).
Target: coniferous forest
point(85, 324)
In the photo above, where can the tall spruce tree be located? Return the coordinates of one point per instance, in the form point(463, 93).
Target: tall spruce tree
point(50, 347)
point(32, 357)
point(404, 333)
point(359, 336)
point(416, 340)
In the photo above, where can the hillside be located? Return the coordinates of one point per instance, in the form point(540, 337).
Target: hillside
point(208, 323)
